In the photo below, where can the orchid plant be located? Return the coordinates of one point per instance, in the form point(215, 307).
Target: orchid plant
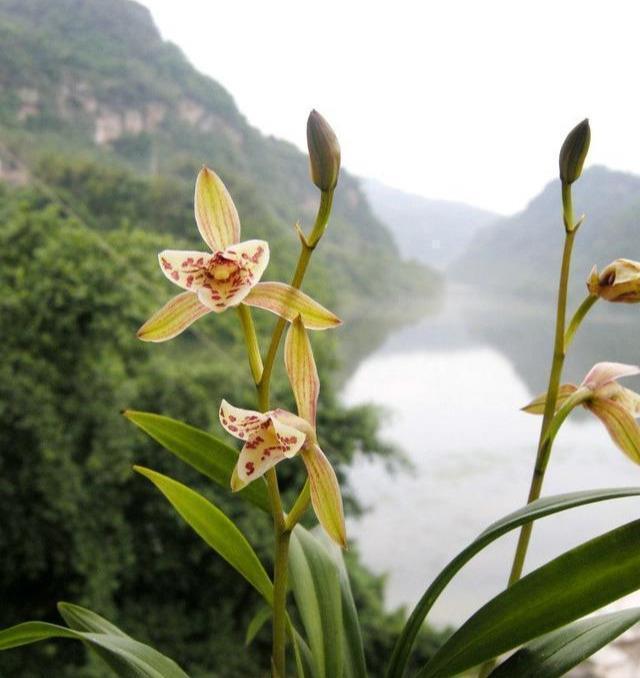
point(318, 630)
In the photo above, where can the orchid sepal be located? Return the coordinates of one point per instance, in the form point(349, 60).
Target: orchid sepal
point(289, 302)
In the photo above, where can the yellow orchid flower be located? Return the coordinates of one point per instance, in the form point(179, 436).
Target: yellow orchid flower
point(216, 280)
point(619, 282)
point(617, 407)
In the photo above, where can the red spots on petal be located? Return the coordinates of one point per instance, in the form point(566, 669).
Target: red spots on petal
point(249, 468)
point(256, 257)
point(187, 262)
point(232, 418)
point(166, 265)
point(219, 305)
point(200, 261)
point(233, 428)
point(175, 275)
point(189, 281)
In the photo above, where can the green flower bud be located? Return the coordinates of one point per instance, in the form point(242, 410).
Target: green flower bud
point(324, 152)
point(574, 151)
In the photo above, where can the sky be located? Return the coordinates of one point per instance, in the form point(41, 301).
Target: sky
point(450, 99)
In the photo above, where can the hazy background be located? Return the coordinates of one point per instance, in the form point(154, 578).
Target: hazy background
point(441, 257)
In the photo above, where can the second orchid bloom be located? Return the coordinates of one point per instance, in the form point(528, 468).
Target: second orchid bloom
point(616, 406)
point(273, 436)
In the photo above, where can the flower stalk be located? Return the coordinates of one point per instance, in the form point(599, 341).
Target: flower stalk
point(559, 352)
point(262, 372)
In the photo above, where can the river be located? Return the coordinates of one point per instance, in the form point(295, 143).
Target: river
point(451, 388)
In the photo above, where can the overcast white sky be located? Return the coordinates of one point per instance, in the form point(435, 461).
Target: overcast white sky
point(455, 99)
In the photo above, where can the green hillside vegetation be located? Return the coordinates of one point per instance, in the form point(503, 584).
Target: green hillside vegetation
point(94, 78)
point(521, 254)
point(104, 126)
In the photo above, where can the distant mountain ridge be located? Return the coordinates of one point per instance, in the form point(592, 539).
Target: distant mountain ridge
point(94, 79)
point(434, 232)
point(522, 253)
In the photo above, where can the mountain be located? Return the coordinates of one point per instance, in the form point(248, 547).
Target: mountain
point(94, 79)
point(435, 232)
point(521, 253)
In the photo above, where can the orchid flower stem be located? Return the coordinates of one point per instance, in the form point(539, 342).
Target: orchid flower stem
point(251, 339)
point(578, 317)
point(261, 373)
point(300, 506)
point(545, 443)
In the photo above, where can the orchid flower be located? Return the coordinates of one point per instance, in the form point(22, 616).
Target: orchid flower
point(216, 280)
point(269, 437)
point(616, 406)
point(619, 282)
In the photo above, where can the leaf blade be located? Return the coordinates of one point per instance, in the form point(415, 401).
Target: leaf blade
point(204, 452)
point(215, 528)
point(538, 509)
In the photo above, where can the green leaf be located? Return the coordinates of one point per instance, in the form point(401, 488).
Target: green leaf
point(141, 660)
point(574, 584)
point(354, 660)
point(80, 619)
point(537, 509)
point(315, 580)
point(212, 457)
point(257, 622)
point(558, 652)
point(215, 528)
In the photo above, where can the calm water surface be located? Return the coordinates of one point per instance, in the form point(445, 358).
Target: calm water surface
point(451, 388)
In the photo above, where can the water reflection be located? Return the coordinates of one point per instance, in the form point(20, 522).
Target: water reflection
point(452, 386)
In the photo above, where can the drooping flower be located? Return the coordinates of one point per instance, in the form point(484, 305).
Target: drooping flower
point(616, 406)
point(272, 436)
point(618, 282)
point(215, 280)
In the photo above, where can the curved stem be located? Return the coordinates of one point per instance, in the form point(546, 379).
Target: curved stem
point(251, 339)
point(578, 317)
point(300, 506)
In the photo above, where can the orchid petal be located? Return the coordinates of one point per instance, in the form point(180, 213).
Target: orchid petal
point(173, 318)
point(216, 215)
point(325, 494)
point(289, 303)
point(629, 399)
point(602, 374)
point(271, 444)
point(241, 423)
point(185, 268)
point(620, 424)
point(302, 371)
point(537, 405)
point(233, 273)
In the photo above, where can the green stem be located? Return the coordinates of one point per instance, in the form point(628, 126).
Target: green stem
point(544, 443)
point(281, 529)
point(308, 245)
point(251, 339)
point(280, 575)
point(578, 317)
point(300, 506)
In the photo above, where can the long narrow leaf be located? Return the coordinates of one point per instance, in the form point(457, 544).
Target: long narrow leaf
point(212, 457)
point(576, 583)
point(354, 660)
point(556, 653)
point(537, 509)
point(315, 580)
point(215, 528)
point(141, 660)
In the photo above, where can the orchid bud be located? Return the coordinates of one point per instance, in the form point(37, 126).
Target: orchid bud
point(324, 152)
point(574, 151)
point(619, 282)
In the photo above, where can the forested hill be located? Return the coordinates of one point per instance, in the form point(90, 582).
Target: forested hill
point(93, 79)
point(521, 254)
